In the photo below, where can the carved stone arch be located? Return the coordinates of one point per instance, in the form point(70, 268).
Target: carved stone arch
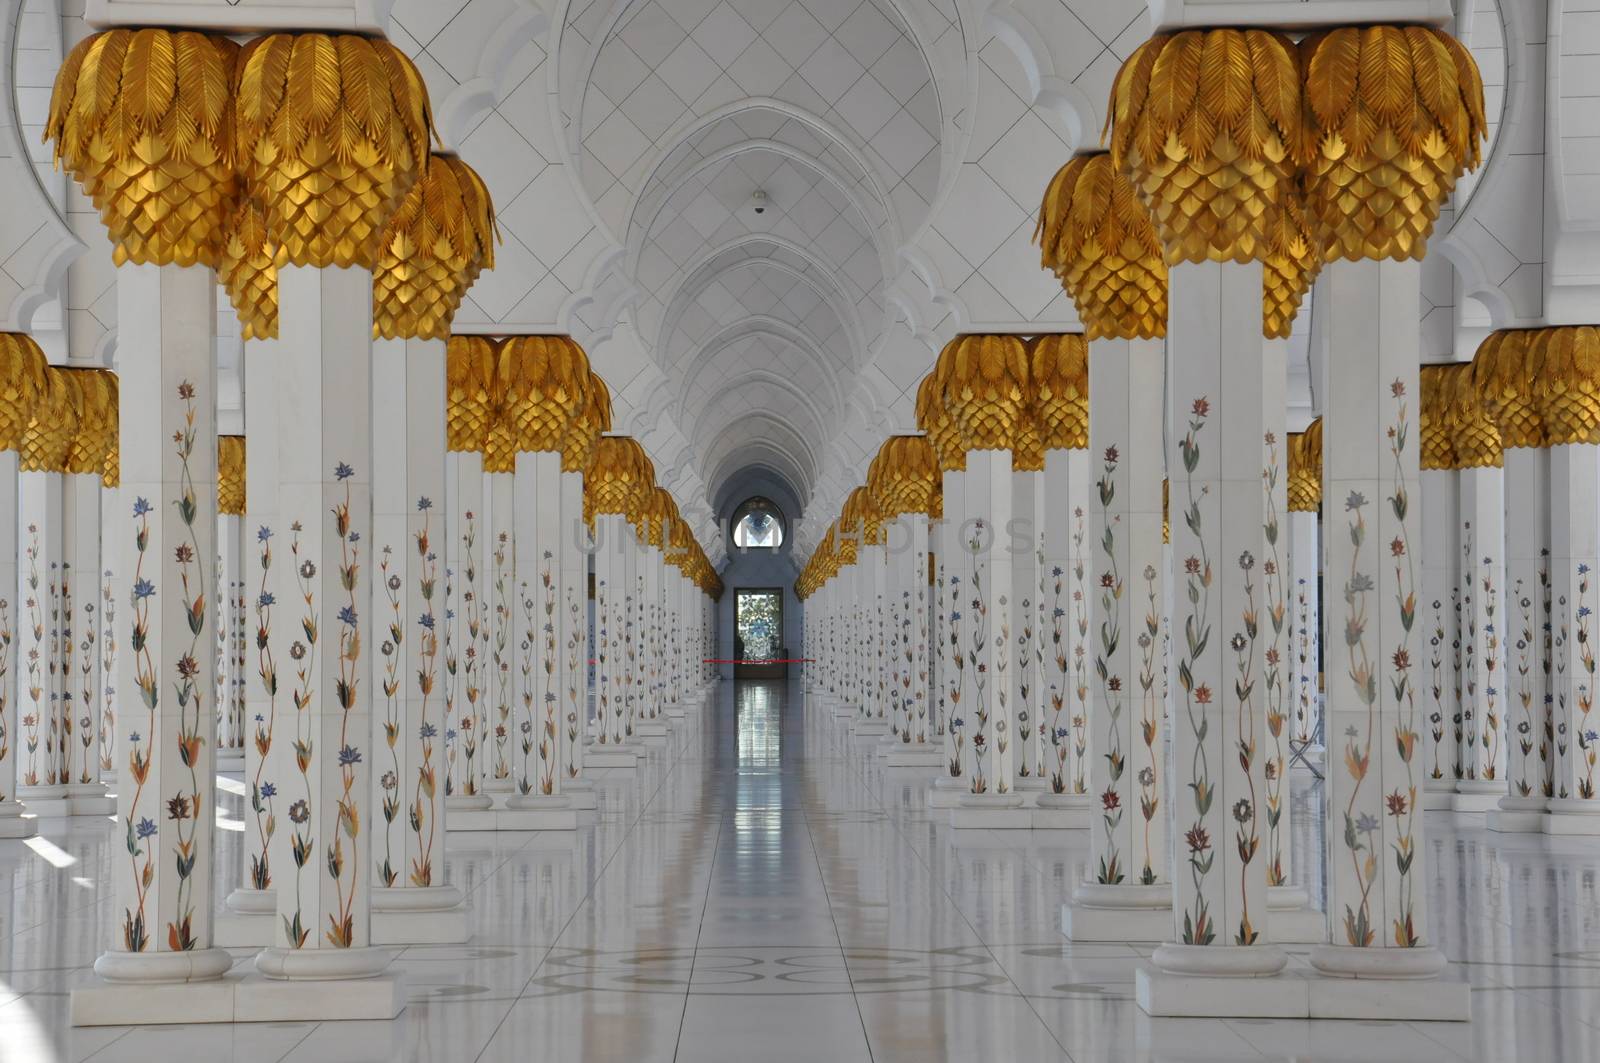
point(702, 275)
point(38, 259)
point(756, 325)
point(1074, 113)
point(459, 113)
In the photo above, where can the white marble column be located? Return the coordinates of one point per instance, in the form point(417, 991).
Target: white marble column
point(1376, 851)
point(984, 558)
point(41, 679)
point(251, 909)
point(1575, 567)
point(576, 548)
point(469, 634)
point(1127, 896)
point(652, 660)
point(1227, 400)
point(327, 570)
point(12, 823)
point(166, 549)
point(540, 756)
point(500, 688)
point(1065, 553)
point(953, 696)
point(1305, 625)
point(1022, 539)
point(112, 637)
point(1525, 641)
point(615, 745)
point(1439, 685)
point(411, 901)
point(1483, 674)
point(81, 685)
point(230, 713)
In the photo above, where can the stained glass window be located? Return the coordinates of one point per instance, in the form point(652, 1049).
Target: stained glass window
point(758, 619)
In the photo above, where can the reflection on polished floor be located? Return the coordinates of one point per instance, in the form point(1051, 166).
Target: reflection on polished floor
point(765, 891)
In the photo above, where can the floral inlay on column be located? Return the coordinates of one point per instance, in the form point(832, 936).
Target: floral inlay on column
point(262, 792)
point(420, 819)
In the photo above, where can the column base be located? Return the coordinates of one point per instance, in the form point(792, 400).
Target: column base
point(581, 793)
point(90, 799)
point(840, 711)
point(1103, 913)
point(648, 729)
point(419, 915)
point(1569, 816)
point(45, 802)
point(1030, 788)
point(564, 818)
point(153, 988)
point(869, 727)
point(912, 755)
point(1053, 811)
point(273, 1000)
point(946, 791)
point(1476, 795)
point(1438, 795)
point(248, 919)
point(1245, 981)
point(230, 759)
point(1385, 983)
point(1517, 815)
point(13, 824)
point(625, 756)
point(457, 803)
point(991, 812)
point(1291, 919)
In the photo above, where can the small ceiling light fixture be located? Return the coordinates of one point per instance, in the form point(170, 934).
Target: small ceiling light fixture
point(759, 202)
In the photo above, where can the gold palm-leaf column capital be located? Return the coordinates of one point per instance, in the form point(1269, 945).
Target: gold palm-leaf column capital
point(656, 513)
point(851, 527)
point(911, 474)
point(248, 270)
point(332, 132)
point(877, 485)
point(1564, 366)
point(1206, 123)
point(588, 426)
point(546, 388)
point(1393, 116)
point(97, 421)
point(1304, 482)
point(1099, 240)
point(230, 475)
point(1437, 448)
point(24, 373)
point(1027, 448)
point(1501, 372)
point(1059, 370)
point(1477, 437)
point(470, 365)
point(1292, 262)
point(437, 242)
point(943, 432)
point(143, 120)
point(47, 440)
point(616, 473)
point(985, 388)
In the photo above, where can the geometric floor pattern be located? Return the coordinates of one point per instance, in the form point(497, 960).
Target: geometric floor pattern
point(763, 890)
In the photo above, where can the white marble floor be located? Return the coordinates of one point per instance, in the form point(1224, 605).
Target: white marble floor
point(763, 890)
